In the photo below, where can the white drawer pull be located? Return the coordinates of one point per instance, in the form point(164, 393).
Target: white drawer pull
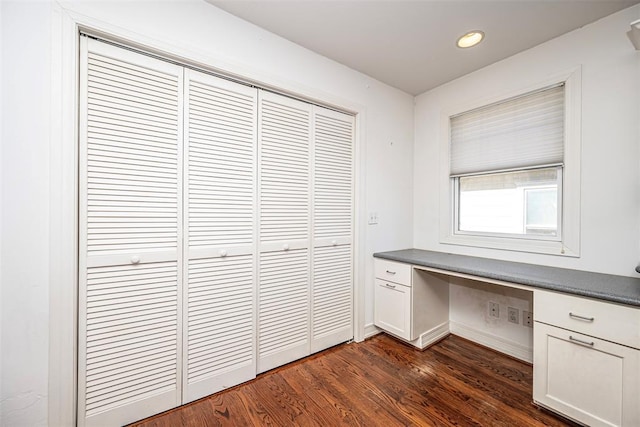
point(577, 341)
point(223, 253)
point(285, 247)
point(391, 272)
point(577, 316)
point(390, 286)
point(135, 259)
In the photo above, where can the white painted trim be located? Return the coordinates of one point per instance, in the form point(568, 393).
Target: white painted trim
point(570, 244)
point(63, 226)
point(426, 339)
point(64, 187)
point(191, 56)
point(432, 336)
point(371, 330)
point(360, 232)
point(495, 342)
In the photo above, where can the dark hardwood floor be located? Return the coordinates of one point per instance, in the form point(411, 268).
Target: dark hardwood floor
point(379, 382)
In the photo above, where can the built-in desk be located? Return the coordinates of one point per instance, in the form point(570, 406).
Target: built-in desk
point(606, 287)
point(586, 341)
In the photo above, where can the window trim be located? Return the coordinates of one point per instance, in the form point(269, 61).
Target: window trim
point(569, 245)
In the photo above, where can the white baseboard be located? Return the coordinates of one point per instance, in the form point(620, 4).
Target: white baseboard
point(432, 336)
point(371, 330)
point(495, 342)
point(426, 339)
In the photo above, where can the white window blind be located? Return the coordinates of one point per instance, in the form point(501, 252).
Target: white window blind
point(521, 132)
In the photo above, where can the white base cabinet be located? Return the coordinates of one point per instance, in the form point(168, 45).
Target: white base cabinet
point(411, 304)
point(587, 378)
point(393, 308)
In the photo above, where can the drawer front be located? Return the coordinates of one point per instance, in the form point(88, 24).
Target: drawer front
point(612, 322)
point(396, 272)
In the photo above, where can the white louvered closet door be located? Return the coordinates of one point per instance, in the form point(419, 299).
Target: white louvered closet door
point(130, 227)
point(220, 171)
point(284, 133)
point(333, 189)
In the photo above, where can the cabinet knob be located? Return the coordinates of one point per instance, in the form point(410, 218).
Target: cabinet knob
point(135, 259)
point(223, 253)
point(334, 242)
point(285, 247)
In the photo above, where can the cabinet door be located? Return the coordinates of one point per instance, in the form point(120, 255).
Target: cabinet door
point(220, 171)
point(332, 283)
point(590, 380)
point(284, 129)
point(130, 269)
point(392, 308)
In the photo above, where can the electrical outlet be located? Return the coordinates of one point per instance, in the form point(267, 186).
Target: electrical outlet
point(527, 318)
point(494, 309)
point(373, 218)
point(513, 315)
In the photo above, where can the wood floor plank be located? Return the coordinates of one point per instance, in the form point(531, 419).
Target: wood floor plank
point(379, 382)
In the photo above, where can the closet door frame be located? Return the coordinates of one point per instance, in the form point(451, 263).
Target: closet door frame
point(67, 23)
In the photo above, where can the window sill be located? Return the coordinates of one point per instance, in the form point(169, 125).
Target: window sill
point(510, 244)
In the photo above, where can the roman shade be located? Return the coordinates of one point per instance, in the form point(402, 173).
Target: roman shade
point(522, 132)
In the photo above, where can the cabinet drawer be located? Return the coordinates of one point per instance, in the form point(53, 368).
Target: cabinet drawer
point(393, 271)
point(612, 322)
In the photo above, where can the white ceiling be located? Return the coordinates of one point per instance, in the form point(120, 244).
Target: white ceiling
point(411, 44)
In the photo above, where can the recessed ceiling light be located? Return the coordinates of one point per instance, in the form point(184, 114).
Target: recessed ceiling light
point(470, 39)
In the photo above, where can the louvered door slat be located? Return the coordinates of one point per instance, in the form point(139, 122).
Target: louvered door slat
point(332, 296)
point(220, 324)
point(284, 169)
point(220, 207)
point(130, 226)
point(333, 175)
point(283, 307)
point(332, 291)
point(221, 162)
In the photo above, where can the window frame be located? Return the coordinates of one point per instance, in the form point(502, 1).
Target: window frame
point(569, 193)
point(455, 182)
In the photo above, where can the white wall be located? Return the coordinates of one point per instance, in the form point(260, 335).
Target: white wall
point(610, 193)
point(25, 206)
point(1, 138)
point(210, 36)
point(610, 199)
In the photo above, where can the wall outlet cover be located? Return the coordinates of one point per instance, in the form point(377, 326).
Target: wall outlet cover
point(513, 315)
point(527, 318)
point(494, 309)
point(373, 218)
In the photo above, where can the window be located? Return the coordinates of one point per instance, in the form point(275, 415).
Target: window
point(516, 204)
point(511, 164)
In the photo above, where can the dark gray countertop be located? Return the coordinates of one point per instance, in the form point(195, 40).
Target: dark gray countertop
point(607, 287)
